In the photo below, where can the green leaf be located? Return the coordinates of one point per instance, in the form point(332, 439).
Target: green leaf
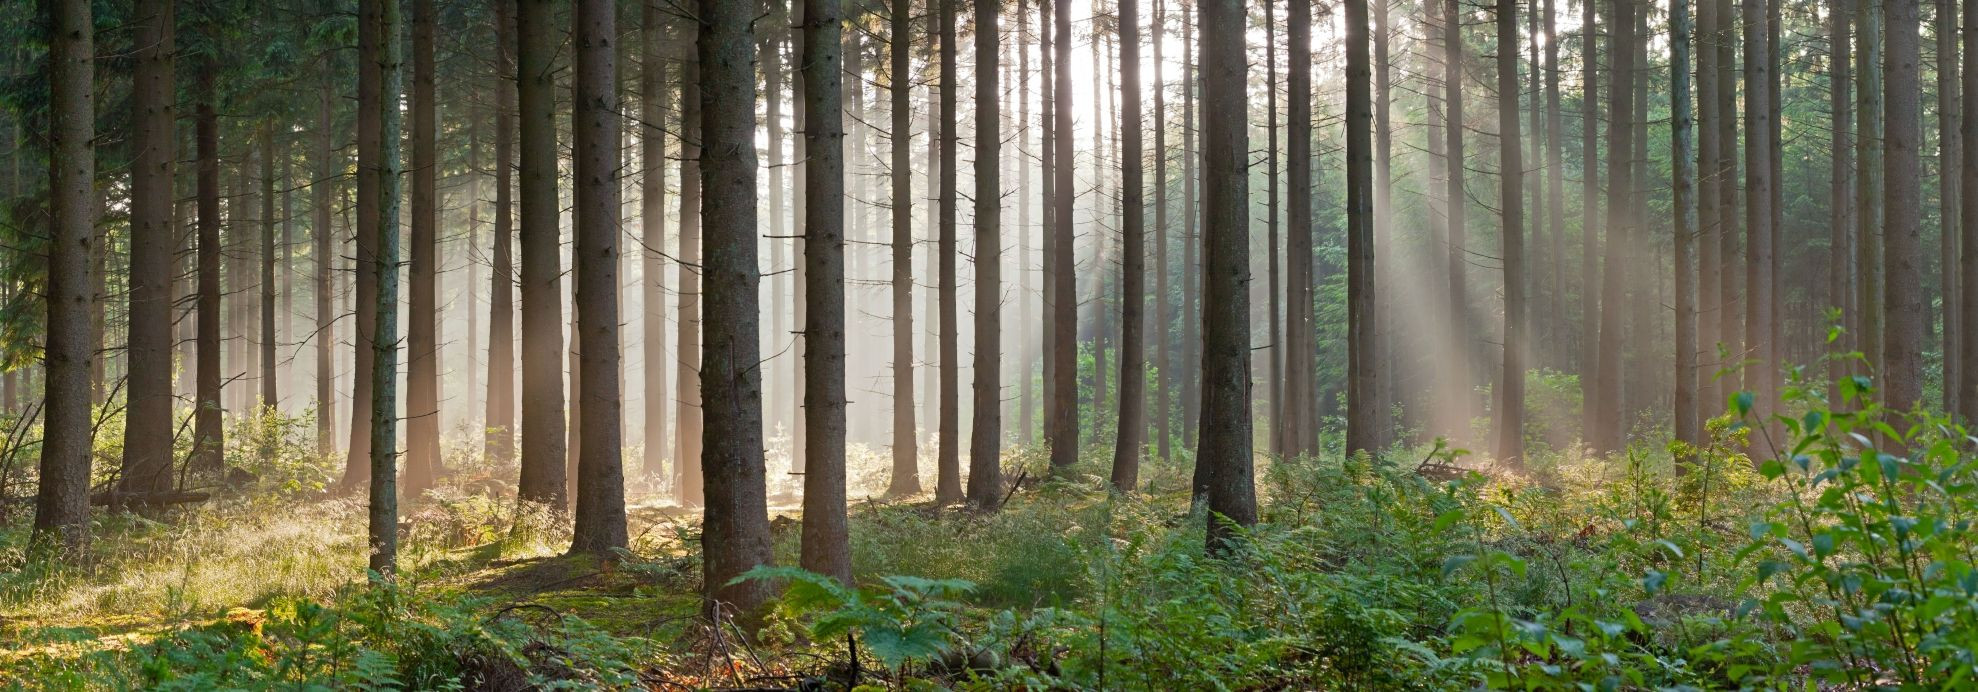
point(1455, 562)
point(1741, 403)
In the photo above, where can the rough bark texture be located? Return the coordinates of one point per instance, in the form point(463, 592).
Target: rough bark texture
point(826, 545)
point(1967, 382)
point(906, 441)
point(265, 336)
point(543, 443)
point(985, 447)
point(61, 503)
point(735, 536)
point(1687, 420)
point(501, 288)
point(655, 90)
point(1299, 437)
point(1949, 158)
point(148, 420)
point(1064, 302)
point(595, 144)
point(422, 376)
point(1225, 437)
point(1510, 419)
point(382, 525)
point(687, 484)
point(1903, 343)
point(947, 444)
point(1133, 271)
point(1760, 306)
point(208, 439)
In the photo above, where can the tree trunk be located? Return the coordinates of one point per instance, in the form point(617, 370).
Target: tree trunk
point(1709, 224)
point(329, 167)
point(826, 545)
point(1458, 377)
point(985, 471)
point(1760, 306)
point(208, 439)
point(1279, 349)
point(735, 537)
point(1840, 198)
point(1191, 270)
point(1967, 382)
point(266, 336)
point(1687, 421)
point(1949, 156)
point(1555, 191)
point(1064, 308)
point(383, 516)
point(905, 479)
point(543, 443)
point(1133, 273)
point(1048, 261)
point(1301, 394)
point(501, 289)
point(1869, 187)
point(596, 146)
point(948, 485)
point(1730, 331)
point(1163, 316)
point(688, 477)
point(1606, 433)
point(148, 418)
point(61, 503)
point(364, 279)
point(1225, 437)
point(655, 91)
point(1510, 418)
point(1903, 342)
point(422, 376)
point(1589, 361)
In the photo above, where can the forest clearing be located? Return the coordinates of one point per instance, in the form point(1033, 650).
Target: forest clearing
point(757, 345)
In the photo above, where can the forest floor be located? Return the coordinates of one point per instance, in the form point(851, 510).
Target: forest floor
point(1412, 571)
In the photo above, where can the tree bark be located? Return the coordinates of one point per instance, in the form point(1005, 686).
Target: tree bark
point(148, 418)
point(543, 442)
point(948, 485)
point(329, 169)
point(1760, 306)
point(61, 505)
point(422, 376)
point(905, 480)
point(1967, 382)
point(1906, 307)
point(1840, 198)
point(1949, 156)
point(208, 438)
point(1458, 377)
point(1225, 437)
point(596, 146)
point(1163, 315)
point(1589, 361)
point(985, 470)
point(1133, 272)
point(1687, 421)
point(1510, 418)
point(826, 545)
point(688, 478)
point(1606, 433)
point(501, 289)
point(365, 281)
point(1869, 186)
point(735, 536)
point(655, 92)
point(266, 336)
point(1301, 390)
point(1064, 308)
point(382, 527)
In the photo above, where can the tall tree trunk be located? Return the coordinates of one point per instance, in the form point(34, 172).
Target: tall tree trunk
point(266, 336)
point(1760, 306)
point(1133, 273)
point(1589, 360)
point(382, 526)
point(1026, 385)
point(364, 287)
point(1191, 270)
point(501, 289)
point(1903, 342)
point(1709, 220)
point(1869, 187)
point(1225, 437)
point(1459, 376)
point(1510, 418)
point(1688, 422)
point(1279, 349)
point(543, 443)
point(689, 478)
point(735, 537)
point(1606, 433)
point(61, 503)
point(208, 439)
point(826, 545)
point(1064, 308)
point(905, 480)
point(654, 91)
point(1300, 353)
point(1555, 188)
point(985, 470)
point(1967, 382)
point(329, 168)
point(1163, 315)
point(596, 146)
point(422, 377)
point(1949, 156)
point(1840, 198)
point(148, 417)
point(1730, 331)
point(1048, 263)
point(948, 484)
point(1384, 353)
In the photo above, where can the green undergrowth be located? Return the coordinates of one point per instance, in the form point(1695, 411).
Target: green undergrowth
point(1844, 560)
